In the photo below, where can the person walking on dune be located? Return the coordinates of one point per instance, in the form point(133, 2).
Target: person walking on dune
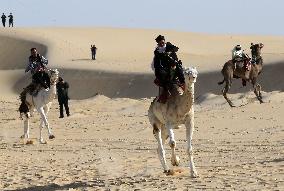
point(62, 92)
point(94, 51)
point(3, 17)
point(11, 20)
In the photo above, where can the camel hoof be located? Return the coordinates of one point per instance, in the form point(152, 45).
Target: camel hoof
point(194, 175)
point(29, 142)
point(169, 172)
point(175, 161)
point(43, 142)
point(51, 137)
point(177, 127)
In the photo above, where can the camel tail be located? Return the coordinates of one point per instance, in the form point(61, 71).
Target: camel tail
point(219, 83)
point(23, 109)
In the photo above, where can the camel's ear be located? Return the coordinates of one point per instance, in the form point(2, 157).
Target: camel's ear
point(261, 45)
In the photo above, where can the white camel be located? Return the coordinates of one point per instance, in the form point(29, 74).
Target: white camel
point(166, 117)
point(41, 102)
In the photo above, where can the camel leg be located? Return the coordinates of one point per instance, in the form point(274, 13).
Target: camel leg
point(44, 119)
point(41, 126)
point(26, 127)
point(257, 89)
point(161, 150)
point(46, 110)
point(175, 159)
point(189, 132)
point(225, 91)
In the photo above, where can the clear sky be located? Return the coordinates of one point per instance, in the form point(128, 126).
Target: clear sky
point(207, 16)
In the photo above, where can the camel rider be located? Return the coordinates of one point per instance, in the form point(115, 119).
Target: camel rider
point(168, 69)
point(238, 54)
point(37, 66)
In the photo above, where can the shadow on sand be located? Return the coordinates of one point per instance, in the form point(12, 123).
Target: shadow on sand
point(81, 59)
point(53, 187)
point(86, 83)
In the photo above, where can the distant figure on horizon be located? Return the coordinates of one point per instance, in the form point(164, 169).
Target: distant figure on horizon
point(3, 17)
point(62, 92)
point(11, 20)
point(94, 51)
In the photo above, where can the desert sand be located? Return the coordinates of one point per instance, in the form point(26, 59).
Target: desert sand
point(107, 142)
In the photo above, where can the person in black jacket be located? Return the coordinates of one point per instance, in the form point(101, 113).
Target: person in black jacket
point(38, 66)
point(94, 51)
point(168, 69)
point(3, 17)
point(11, 20)
point(62, 92)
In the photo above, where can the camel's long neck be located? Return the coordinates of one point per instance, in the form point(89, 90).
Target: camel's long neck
point(259, 63)
point(188, 97)
point(51, 92)
point(190, 91)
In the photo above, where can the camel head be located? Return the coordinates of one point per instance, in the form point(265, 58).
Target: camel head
point(53, 73)
point(256, 49)
point(190, 75)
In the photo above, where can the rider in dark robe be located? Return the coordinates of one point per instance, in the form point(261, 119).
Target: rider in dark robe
point(168, 69)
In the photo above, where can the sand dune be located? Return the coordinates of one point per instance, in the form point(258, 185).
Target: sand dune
point(121, 51)
point(139, 85)
point(107, 143)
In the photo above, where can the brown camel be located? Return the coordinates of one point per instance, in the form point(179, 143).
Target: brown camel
point(236, 70)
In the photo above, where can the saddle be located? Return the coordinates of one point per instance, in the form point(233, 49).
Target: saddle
point(32, 89)
point(166, 92)
point(244, 64)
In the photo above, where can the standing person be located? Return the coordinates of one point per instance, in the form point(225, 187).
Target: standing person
point(11, 20)
point(94, 51)
point(62, 92)
point(3, 17)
